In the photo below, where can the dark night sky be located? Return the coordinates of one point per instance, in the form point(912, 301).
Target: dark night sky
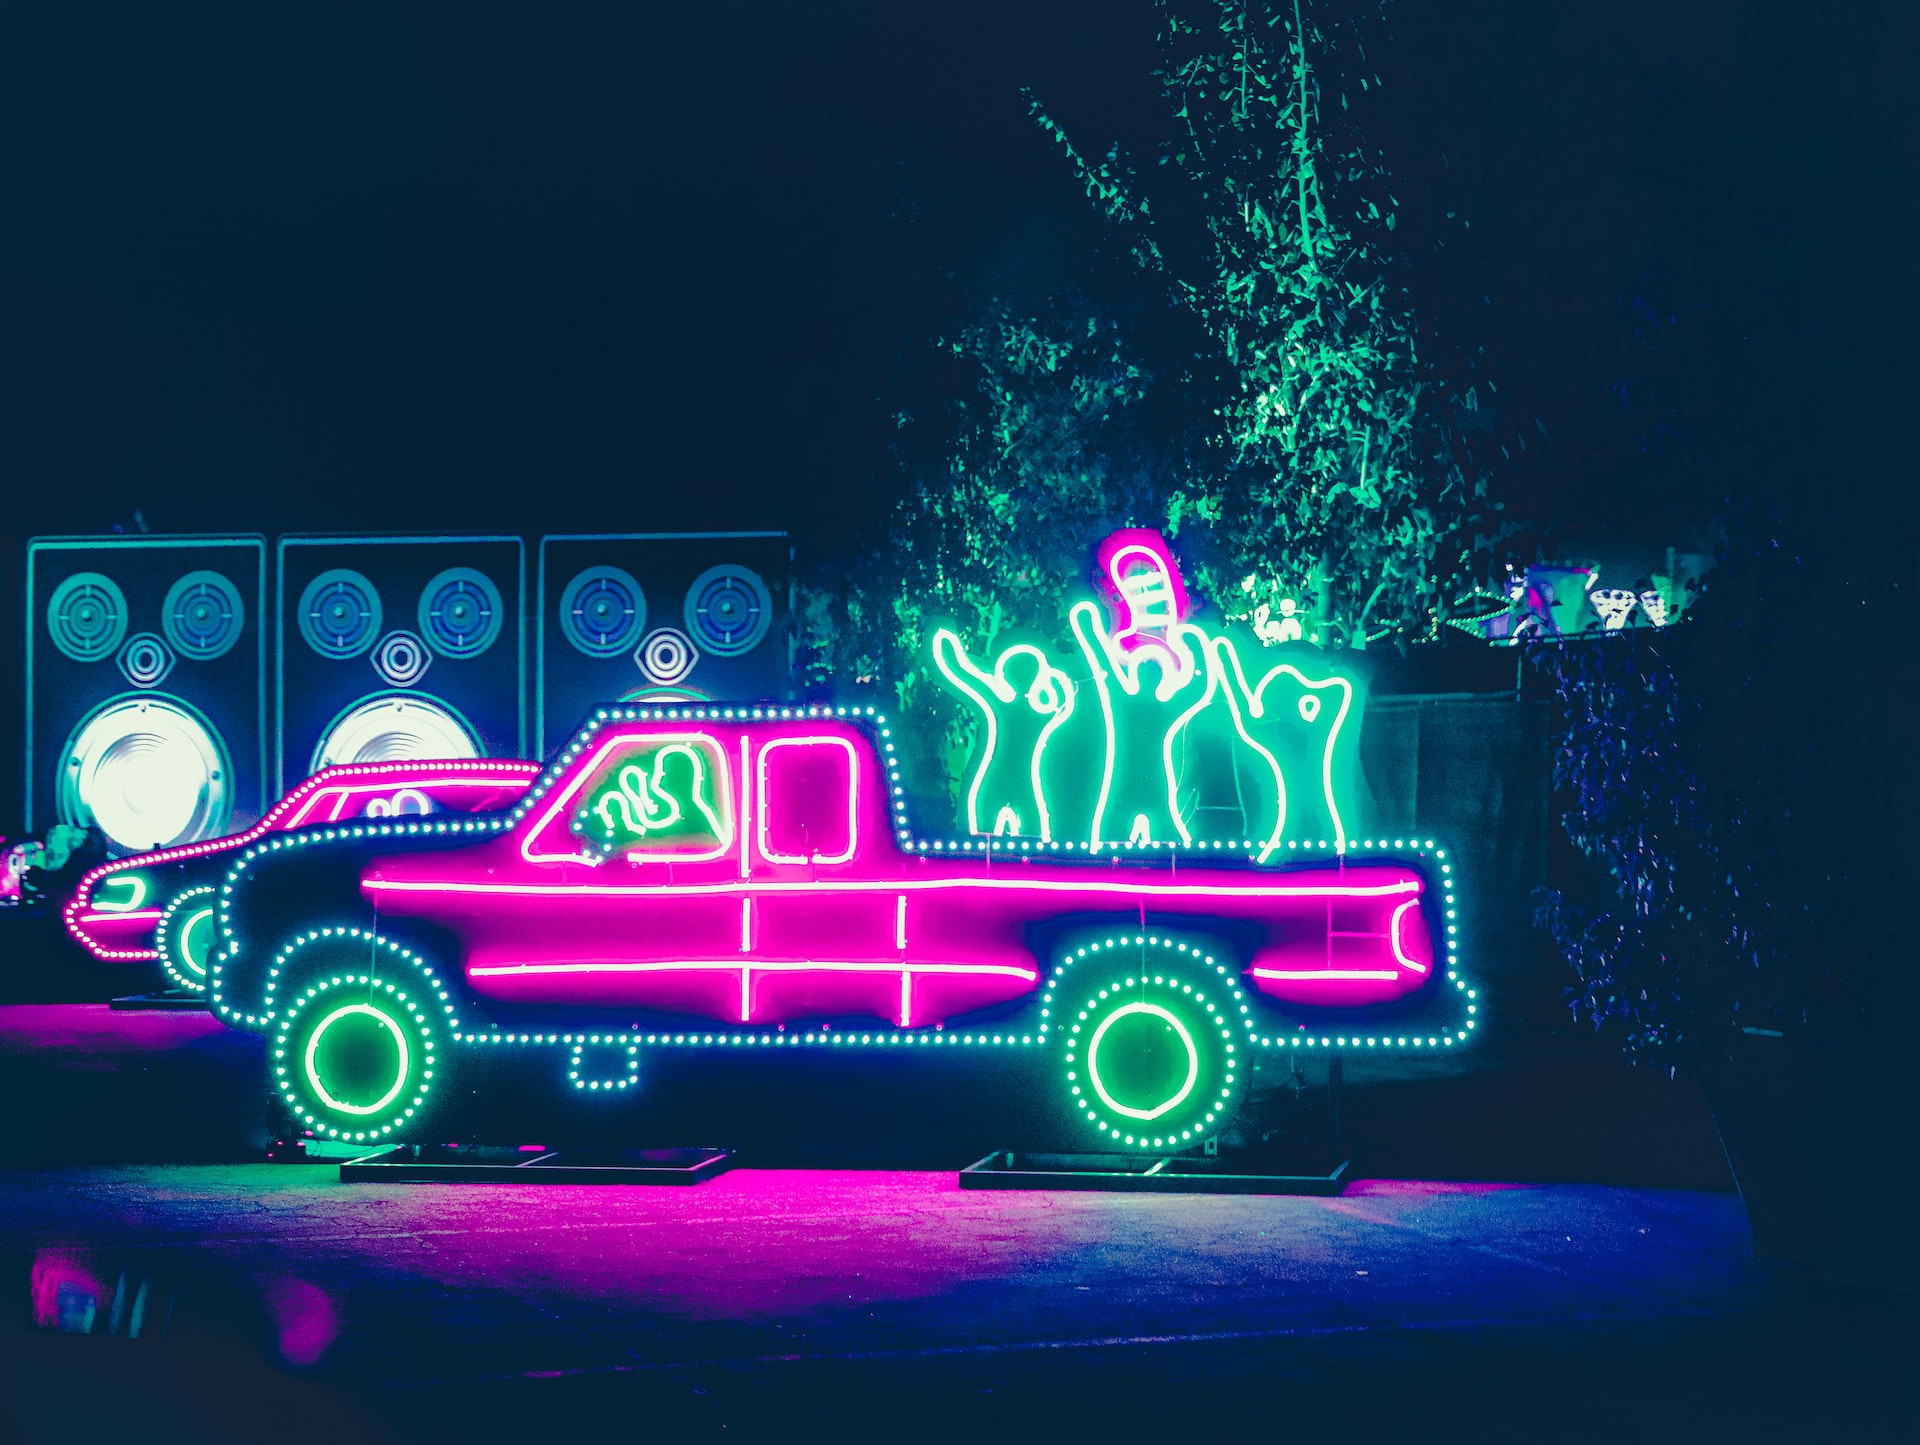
point(368, 266)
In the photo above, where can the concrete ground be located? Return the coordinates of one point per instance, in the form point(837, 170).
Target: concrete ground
point(895, 1305)
point(870, 1304)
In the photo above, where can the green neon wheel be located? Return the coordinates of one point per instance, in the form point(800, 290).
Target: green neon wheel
point(360, 1027)
point(185, 938)
point(1153, 1037)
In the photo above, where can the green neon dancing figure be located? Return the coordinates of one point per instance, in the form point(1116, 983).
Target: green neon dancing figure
point(1293, 725)
point(1022, 702)
point(1145, 716)
point(1162, 727)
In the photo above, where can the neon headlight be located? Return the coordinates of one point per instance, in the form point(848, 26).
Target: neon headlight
point(119, 893)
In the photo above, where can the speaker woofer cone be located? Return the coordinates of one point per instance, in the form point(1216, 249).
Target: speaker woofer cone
point(203, 615)
point(461, 612)
point(729, 610)
point(603, 611)
point(148, 772)
point(339, 613)
point(395, 727)
point(87, 616)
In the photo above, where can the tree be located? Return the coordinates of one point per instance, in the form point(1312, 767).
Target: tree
point(1265, 407)
point(1325, 468)
point(999, 518)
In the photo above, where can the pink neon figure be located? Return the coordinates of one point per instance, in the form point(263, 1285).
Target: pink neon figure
point(1146, 598)
point(116, 907)
point(762, 882)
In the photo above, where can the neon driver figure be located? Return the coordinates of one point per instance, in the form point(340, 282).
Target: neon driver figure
point(745, 876)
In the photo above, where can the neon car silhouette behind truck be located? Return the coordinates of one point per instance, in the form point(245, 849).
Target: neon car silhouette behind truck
point(742, 875)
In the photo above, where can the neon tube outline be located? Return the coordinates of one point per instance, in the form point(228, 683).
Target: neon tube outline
point(1255, 698)
point(946, 641)
point(1193, 1061)
point(132, 902)
point(1393, 939)
point(313, 1072)
point(730, 965)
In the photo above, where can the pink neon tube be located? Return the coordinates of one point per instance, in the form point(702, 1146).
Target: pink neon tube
point(347, 791)
point(813, 908)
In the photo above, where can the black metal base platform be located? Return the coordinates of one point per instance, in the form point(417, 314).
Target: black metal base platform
point(489, 1164)
point(1131, 1173)
point(172, 999)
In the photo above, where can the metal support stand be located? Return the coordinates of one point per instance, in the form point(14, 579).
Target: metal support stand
point(1132, 1173)
point(1250, 1172)
point(494, 1164)
point(1336, 1088)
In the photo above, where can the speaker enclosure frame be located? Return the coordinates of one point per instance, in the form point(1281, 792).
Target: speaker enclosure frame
point(39, 804)
point(661, 613)
point(402, 617)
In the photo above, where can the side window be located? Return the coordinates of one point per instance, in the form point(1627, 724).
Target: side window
point(807, 804)
point(658, 799)
point(665, 796)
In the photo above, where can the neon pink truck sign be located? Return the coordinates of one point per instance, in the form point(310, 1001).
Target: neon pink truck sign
point(749, 878)
point(749, 872)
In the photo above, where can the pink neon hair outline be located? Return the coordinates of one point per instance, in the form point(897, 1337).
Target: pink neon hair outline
point(1142, 616)
point(853, 799)
point(1393, 937)
point(716, 758)
point(492, 770)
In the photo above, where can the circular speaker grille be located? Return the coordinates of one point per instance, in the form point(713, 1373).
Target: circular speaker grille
point(729, 609)
point(339, 613)
point(395, 728)
point(203, 615)
point(401, 658)
point(603, 611)
point(148, 772)
point(145, 660)
point(87, 617)
point(460, 612)
point(667, 656)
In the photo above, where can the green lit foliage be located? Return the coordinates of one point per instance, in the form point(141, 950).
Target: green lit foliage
point(1266, 405)
point(998, 530)
point(1326, 470)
